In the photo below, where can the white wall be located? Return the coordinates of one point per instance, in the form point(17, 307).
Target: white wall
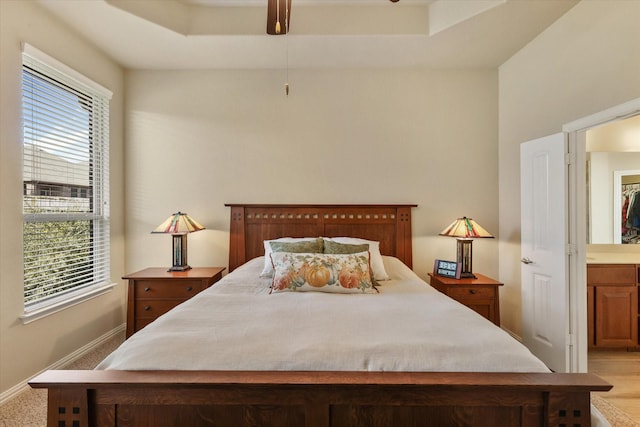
point(27, 349)
point(612, 147)
point(617, 136)
point(586, 62)
point(197, 140)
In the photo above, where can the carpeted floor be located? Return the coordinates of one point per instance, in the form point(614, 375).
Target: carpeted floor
point(616, 417)
point(29, 409)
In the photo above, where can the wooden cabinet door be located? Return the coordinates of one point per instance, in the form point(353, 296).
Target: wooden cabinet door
point(616, 309)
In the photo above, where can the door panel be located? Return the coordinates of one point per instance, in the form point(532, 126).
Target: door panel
point(545, 310)
point(616, 321)
point(543, 292)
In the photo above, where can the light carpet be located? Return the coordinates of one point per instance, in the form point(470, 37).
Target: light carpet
point(615, 416)
point(29, 409)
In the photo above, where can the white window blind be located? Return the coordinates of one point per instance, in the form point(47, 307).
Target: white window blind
point(65, 185)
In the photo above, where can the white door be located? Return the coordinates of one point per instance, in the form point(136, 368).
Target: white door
point(545, 302)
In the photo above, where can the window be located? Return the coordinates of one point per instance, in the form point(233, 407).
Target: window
point(65, 184)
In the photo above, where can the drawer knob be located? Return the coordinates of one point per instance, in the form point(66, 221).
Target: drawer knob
point(147, 289)
point(472, 291)
point(147, 308)
point(189, 289)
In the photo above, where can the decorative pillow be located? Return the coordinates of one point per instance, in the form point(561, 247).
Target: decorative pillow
point(377, 265)
point(331, 247)
point(315, 246)
point(267, 270)
point(341, 273)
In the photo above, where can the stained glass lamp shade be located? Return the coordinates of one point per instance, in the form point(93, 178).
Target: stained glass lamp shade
point(465, 230)
point(179, 225)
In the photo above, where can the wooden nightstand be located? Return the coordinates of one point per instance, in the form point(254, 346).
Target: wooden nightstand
point(480, 294)
point(154, 291)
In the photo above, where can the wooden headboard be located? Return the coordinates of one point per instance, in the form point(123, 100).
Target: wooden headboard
point(251, 225)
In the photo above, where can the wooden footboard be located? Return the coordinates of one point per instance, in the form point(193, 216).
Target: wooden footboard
point(316, 399)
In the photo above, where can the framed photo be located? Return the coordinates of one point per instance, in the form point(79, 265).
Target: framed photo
point(449, 269)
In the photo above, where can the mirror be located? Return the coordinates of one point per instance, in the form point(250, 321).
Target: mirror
point(626, 212)
point(613, 176)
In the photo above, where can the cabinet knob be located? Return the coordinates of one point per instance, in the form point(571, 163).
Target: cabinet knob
point(147, 289)
point(147, 308)
point(189, 289)
point(472, 291)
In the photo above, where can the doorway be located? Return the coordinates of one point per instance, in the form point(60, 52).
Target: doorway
point(578, 213)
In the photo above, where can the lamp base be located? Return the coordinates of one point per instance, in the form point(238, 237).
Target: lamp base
point(465, 258)
point(180, 253)
point(180, 268)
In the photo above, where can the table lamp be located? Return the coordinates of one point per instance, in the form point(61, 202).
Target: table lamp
point(465, 230)
point(179, 225)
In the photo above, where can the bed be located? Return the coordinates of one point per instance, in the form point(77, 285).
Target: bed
point(238, 354)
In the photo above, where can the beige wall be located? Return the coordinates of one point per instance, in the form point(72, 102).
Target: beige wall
point(27, 349)
point(619, 136)
point(197, 140)
point(586, 62)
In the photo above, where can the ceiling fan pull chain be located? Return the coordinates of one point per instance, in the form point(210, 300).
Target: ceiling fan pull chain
point(286, 35)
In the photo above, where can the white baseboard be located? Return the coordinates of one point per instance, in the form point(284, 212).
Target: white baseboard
point(65, 361)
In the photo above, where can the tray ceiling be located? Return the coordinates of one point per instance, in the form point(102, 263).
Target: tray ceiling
point(203, 34)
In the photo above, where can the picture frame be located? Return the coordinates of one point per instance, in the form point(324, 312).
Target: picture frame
point(450, 269)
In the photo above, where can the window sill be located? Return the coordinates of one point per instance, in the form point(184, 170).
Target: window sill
point(37, 313)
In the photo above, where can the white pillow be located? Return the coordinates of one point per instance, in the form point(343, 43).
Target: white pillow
point(377, 265)
point(267, 270)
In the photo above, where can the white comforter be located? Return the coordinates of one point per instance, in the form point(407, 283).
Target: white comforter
point(409, 326)
point(237, 325)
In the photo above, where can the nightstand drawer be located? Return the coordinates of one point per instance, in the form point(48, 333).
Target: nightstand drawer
point(154, 291)
point(479, 294)
point(168, 289)
point(471, 291)
point(154, 308)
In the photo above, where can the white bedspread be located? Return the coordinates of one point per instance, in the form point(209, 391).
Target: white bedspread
point(409, 326)
point(237, 325)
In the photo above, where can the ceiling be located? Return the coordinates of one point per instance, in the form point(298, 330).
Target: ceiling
point(209, 34)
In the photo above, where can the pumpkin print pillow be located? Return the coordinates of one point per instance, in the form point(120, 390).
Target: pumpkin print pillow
point(341, 273)
point(267, 270)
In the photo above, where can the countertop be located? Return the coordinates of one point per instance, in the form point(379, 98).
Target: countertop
point(612, 258)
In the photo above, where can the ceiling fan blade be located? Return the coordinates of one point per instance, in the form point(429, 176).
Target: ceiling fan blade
point(273, 14)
